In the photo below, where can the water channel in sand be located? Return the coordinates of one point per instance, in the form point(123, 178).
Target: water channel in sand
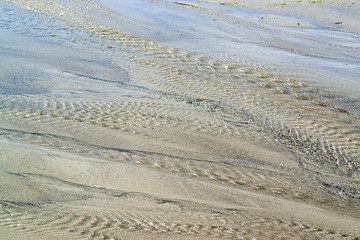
point(175, 120)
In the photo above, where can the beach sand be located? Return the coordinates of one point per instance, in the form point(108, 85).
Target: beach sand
point(107, 134)
point(340, 15)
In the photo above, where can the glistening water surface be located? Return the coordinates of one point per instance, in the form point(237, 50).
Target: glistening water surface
point(175, 120)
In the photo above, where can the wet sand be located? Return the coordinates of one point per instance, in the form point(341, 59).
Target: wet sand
point(179, 120)
point(339, 15)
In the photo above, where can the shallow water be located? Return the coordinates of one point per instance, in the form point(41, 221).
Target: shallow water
point(198, 93)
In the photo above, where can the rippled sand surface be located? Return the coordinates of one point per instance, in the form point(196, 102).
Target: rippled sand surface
point(178, 120)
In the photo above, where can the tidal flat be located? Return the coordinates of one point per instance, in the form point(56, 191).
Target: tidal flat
point(164, 119)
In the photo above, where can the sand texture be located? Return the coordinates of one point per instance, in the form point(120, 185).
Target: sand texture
point(342, 15)
point(179, 119)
